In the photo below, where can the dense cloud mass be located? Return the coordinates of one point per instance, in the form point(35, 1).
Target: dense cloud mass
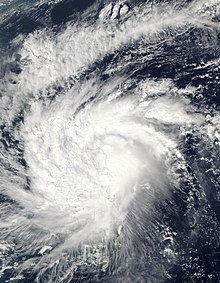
point(109, 149)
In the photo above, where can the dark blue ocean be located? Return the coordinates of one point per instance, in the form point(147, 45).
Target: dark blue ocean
point(110, 141)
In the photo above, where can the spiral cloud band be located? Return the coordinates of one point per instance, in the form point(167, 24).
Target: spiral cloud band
point(99, 156)
point(100, 148)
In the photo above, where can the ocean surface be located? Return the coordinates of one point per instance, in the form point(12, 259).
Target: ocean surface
point(110, 141)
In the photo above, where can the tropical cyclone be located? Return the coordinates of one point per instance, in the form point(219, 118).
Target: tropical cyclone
point(108, 151)
point(88, 163)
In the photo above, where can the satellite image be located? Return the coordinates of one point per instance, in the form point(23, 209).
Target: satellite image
point(109, 141)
